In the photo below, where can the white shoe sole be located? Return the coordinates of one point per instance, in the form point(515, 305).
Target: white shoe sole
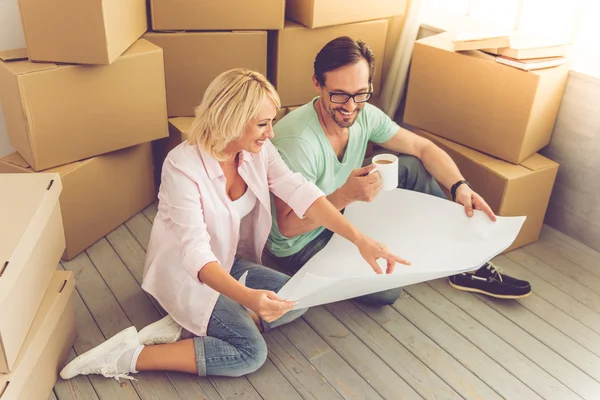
point(70, 370)
point(148, 335)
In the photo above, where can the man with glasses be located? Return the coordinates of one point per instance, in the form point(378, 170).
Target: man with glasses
point(326, 140)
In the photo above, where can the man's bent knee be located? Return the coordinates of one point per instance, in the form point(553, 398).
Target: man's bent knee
point(380, 299)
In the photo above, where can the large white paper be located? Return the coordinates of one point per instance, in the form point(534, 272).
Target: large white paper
point(434, 234)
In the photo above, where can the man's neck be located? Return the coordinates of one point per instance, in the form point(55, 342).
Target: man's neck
point(330, 127)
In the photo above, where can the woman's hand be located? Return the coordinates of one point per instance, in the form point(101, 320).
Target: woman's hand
point(371, 250)
point(267, 305)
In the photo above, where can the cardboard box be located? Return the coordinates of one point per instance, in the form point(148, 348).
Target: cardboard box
point(47, 345)
point(509, 189)
point(294, 48)
point(57, 114)
point(217, 15)
point(471, 99)
point(81, 32)
point(319, 13)
point(194, 59)
point(99, 193)
point(31, 242)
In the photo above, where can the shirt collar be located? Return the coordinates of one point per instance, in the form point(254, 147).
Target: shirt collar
point(213, 168)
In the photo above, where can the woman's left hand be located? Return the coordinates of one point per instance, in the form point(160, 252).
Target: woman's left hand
point(372, 250)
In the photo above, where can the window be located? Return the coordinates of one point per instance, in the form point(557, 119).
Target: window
point(570, 21)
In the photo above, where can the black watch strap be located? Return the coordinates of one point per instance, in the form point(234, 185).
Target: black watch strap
point(456, 185)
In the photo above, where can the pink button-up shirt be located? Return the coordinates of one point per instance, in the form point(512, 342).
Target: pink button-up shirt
point(196, 224)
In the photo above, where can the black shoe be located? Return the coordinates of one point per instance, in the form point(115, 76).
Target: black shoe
point(489, 280)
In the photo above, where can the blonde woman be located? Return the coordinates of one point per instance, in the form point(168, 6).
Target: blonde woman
point(212, 224)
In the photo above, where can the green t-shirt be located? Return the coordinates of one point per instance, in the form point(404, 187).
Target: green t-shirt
point(305, 148)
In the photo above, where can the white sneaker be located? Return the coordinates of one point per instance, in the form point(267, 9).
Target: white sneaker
point(162, 331)
point(102, 359)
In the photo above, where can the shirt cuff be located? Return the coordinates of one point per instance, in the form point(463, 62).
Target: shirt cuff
point(304, 197)
point(194, 261)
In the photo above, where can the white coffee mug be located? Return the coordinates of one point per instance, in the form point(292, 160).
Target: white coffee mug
point(387, 166)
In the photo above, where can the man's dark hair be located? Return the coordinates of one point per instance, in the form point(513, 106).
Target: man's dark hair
point(340, 52)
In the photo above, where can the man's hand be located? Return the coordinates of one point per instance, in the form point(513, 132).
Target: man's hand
point(471, 200)
point(361, 185)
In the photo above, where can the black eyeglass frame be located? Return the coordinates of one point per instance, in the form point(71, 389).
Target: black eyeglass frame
point(348, 96)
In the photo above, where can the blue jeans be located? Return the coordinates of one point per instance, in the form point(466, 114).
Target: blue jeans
point(412, 175)
point(234, 346)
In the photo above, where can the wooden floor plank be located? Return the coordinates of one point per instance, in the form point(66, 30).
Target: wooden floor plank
point(141, 228)
point(571, 253)
point(414, 372)
point(494, 375)
point(89, 336)
point(563, 321)
point(76, 388)
point(576, 290)
point(129, 250)
point(133, 299)
point(52, 396)
point(487, 341)
point(542, 355)
point(333, 368)
point(431, 354)
point(549, 335)
point(271, 384)
point(550, 293)
point(380, 376)
point(150, 211)
point(111, 319)
point(234, 389)
point(555, 260)
point(305, 379)
point(549, 231)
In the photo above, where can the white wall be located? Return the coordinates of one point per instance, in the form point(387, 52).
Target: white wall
point(11, 37)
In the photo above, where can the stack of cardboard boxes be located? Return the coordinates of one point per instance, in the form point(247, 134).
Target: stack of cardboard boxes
point(37, 316)
point(278, 38)
point(84, 100)
point(492, 119)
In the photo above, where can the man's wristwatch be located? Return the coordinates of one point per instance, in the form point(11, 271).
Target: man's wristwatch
point(456, 185)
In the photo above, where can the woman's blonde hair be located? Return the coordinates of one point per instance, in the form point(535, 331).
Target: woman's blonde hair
point(231, 100)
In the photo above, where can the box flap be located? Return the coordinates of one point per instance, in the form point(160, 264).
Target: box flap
point(15, 159)
point(26, 203)
point(183, 124)
point(13, 55)
point(54, 304)
point(18, 161)
point(538, 162)
point(500, 167)
point(141, 46)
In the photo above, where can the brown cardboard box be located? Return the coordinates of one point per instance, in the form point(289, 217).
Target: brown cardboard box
point(294, 48)
point(217, 15)
point(81, 32)
point(194, 59)
point(319, 13)
point(471, 99)
point(99, 193)
point(57, 114)
point(31, 242)
point(47, 345)
point(509, 189)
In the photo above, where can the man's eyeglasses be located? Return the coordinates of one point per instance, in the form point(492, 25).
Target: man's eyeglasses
point(341, 98)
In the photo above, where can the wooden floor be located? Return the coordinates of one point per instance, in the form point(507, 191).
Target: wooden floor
point(433, 343)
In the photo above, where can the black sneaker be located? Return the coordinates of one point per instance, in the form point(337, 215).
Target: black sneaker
point(489, 280)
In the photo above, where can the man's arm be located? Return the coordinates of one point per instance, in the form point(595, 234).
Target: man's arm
point(359, 186)
point(437, 162)
point(440, 165)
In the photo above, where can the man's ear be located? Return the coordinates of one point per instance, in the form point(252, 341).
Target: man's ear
point(316, 84)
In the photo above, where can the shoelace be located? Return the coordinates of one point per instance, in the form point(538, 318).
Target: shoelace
point(493, 269)
point(107, 374)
